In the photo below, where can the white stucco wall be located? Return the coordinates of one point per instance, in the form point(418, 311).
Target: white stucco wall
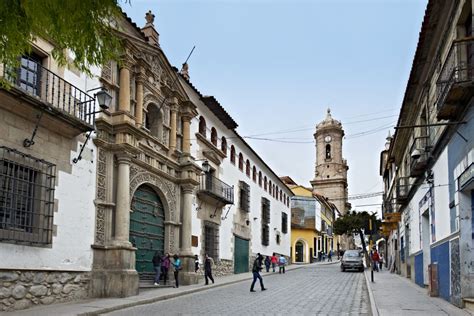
point(441, 194)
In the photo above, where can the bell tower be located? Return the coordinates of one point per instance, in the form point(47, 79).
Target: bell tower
point(330, 177)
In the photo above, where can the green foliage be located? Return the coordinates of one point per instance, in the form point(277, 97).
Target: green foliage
point(85, 27)
point(353, 222)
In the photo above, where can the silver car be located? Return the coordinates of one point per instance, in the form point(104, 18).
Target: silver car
point(352, 260)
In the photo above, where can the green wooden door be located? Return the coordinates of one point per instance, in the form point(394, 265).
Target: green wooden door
point(241, 255)
point(146, 229)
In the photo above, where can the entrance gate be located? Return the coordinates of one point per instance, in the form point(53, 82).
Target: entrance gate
point(299, 248)
point(146, 229)
point(241, 255)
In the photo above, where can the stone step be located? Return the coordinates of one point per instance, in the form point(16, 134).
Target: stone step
point(469, 303)
point(148, 285)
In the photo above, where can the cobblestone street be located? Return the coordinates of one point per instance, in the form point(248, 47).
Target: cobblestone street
point(321, 290)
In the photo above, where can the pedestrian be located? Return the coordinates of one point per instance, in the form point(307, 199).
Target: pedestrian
point(256, 268)
point(196, 263)
point(157, 260)
point(282, 263)
point(268, 261)
point(320, 256)
point(165, 267)
point(274, 261)
point(375, 260)
point(208, 263)
point(177, 266)
point(330, 256)
point(381, 262)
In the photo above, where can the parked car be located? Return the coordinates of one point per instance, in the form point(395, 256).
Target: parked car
point(352, 260)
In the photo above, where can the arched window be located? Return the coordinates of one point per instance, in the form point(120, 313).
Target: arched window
point(254, 174)
point(275, 192)
point(328, 151)
point(247, 167)
point(214, 136)
point(288, 201)
point(202, 126)
point(224, 145)
point(281, 195)
point(270, 187)
point(154, 121)
point(284, 198)
point(241, 162)
point(232, 154)
point(265, 183)
point(260, 178)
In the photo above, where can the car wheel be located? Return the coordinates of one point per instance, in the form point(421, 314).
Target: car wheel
point(342, 269)
point(361, 270)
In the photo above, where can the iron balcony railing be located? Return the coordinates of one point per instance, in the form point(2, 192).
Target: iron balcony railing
point(403, 188)
point(458, 68)
point(39, 82)
point(418, 163)
point(216, 188)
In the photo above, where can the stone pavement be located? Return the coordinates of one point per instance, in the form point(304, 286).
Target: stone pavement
point(392, 294)
point(100, 306)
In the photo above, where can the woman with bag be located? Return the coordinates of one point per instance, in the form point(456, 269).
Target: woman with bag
point(165, 266)
point(177, 266)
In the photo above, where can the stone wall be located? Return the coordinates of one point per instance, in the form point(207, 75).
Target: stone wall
point(24, 289)
point(223, 267)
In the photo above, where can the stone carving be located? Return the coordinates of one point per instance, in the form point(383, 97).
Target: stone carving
point(100, 226)
point(456, 297)
point(139, 176)
point(149, 17)
point(102, 196)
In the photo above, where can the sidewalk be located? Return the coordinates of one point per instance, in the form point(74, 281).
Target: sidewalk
point(392, 294)
point(92, 307)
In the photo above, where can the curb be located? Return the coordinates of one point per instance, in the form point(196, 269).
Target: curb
point(170, 296)
point(373, 305)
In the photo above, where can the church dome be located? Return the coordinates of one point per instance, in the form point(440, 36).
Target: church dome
point(329, 121)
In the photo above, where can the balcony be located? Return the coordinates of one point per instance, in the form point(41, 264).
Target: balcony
point(403, 189)
point(419, 155)
point(217, 190)
point(455, 84)
point(39, 86)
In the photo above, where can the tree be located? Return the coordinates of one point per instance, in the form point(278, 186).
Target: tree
point(84, 27)
point(357, 223)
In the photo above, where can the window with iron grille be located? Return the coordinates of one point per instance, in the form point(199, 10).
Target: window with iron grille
point(265, 222)
point(284, 222)
point(244, 196)
point(26, 198)
point(211, 240)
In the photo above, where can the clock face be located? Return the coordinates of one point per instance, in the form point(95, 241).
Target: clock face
point(327, 139)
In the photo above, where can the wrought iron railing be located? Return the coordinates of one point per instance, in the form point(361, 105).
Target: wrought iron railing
point(217, 188)
point(457, 68)
point(403, 188)
point(37, 81)
point(423, 145)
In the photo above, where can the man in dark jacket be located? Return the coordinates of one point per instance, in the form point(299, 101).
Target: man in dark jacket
point(257, 267)
point(208, 269)
point(157, 260)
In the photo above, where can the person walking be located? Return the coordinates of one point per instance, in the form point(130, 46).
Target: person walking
point(330, 256)
point(208, 263)
point(157, 260)
point(196, 263)
point(177, 266)
point(381, 262)
point(268, 261)
point(274, 261)
point(165, 267)
point(282, 263)
point(256, 268)
point(375, 260)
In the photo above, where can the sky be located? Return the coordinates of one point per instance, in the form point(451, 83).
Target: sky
point(276, 66)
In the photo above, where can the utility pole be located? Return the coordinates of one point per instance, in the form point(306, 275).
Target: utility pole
point(370, 247)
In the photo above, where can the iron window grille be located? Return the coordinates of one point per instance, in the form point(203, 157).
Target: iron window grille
point(244, 197)
point(26, 198)
point(284, 223)
point(265, 222)
point(211, 240)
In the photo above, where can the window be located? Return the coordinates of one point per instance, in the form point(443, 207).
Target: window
point(275, 193)
point(241, 162)
point(328, 151)
point(154, 121)
point(224, 145)
point(29, 76)
point(265, 183)
point(281, 195)
point(232, 154)
point(284, 223)
point(284, 198)
point(202, 126)
point(270, 187)
point(265, 222)
point(214, 136)
point(211, 240)
point(247, 168)
point(26, 198)
point(260, 178)
point(254, 174)
point(244, 196)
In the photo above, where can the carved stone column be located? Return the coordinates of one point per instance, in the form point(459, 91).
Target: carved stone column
point(139, 98)
point(122, 209)
point(186, 135)
point(124, 92)
point(173, 123)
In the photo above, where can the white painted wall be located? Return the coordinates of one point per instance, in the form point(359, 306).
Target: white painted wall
point(441, 194)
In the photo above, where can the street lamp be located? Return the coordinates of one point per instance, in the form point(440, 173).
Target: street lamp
point(103, 98)
point(205, 166)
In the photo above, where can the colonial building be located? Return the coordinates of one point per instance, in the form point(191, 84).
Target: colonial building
point(241, 207)
point(330, 177)
point(46, 192)
point(427, 166)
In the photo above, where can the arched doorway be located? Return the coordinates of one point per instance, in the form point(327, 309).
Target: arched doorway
point(147, 230)
point(299, 251)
